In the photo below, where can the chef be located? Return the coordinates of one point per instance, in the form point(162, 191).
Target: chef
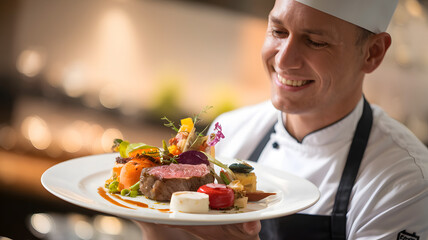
point(372, 173)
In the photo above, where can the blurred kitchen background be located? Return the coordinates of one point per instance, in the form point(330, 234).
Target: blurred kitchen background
point(75, 74)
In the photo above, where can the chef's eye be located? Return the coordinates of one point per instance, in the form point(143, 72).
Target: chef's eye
point(317, 44)
point(279, 33)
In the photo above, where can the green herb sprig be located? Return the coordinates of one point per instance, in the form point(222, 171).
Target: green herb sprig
point(169, 124)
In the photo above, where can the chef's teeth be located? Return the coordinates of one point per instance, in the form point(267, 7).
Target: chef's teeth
point(294, 83)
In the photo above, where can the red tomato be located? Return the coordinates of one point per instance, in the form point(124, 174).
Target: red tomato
point(220, 196)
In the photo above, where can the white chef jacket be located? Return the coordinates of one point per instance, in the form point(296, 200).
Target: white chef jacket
point(390, 194)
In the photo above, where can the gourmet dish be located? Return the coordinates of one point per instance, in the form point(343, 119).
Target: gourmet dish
point(182, 172)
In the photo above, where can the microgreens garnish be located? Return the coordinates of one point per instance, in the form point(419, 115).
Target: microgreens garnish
point(116, 144)
point(170, 124)
point(166, 157)
point(205, 110)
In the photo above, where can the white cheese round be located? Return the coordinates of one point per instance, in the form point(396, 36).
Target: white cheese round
point(189, 202)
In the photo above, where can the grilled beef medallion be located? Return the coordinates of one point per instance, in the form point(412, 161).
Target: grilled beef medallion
point(160, 182)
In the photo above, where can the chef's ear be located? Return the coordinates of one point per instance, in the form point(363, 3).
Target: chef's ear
point(375, 51)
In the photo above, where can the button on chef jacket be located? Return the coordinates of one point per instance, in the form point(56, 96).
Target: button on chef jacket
point(390, 195)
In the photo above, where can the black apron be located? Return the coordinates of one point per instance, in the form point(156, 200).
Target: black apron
point(305, 226)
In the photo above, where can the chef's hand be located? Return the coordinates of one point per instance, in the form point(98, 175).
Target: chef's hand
point(247, 231)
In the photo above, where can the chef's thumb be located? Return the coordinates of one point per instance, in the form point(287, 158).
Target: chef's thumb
point(252, 228)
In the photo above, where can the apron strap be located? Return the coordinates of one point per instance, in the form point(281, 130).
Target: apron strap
point(349, 174)
point(259, 149)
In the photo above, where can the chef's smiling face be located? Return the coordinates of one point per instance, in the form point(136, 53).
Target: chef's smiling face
point(312, 59)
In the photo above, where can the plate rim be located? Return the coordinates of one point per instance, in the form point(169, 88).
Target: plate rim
point(126, 213)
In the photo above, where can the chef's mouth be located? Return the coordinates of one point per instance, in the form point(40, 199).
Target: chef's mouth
point(293, 83)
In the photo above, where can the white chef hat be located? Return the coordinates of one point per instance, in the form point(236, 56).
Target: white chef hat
point(373, 15)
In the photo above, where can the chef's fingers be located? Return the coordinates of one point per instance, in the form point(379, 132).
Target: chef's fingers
point(153, 231)
point(252, 228)
point(247, 231)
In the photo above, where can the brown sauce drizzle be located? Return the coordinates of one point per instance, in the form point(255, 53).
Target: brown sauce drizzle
point(106, 196)
point(103, 194)
point(138, 204)
point(164, 210)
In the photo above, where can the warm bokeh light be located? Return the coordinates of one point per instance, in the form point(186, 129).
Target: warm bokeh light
point(116, 43)
point(110, 96)
point(108, 225)
point(30, 62)
point(414, 8)
point(108, 136)
point(74, 81)
point(95, 134)
point(83, 230)
point(36, 130)
point(402, 55)
point(85, 131)
point(80, 225)
point(42, 223)
point(71, 140)
point(118, 57)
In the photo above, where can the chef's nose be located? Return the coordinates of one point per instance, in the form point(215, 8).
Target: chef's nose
point(288, 55)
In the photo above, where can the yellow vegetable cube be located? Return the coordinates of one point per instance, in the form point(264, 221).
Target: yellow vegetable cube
point(249, 180)
point(186, 125)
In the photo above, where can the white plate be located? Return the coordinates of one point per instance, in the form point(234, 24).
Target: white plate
point(77, 181)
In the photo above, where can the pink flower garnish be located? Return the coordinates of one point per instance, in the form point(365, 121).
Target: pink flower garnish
point(217, 136)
